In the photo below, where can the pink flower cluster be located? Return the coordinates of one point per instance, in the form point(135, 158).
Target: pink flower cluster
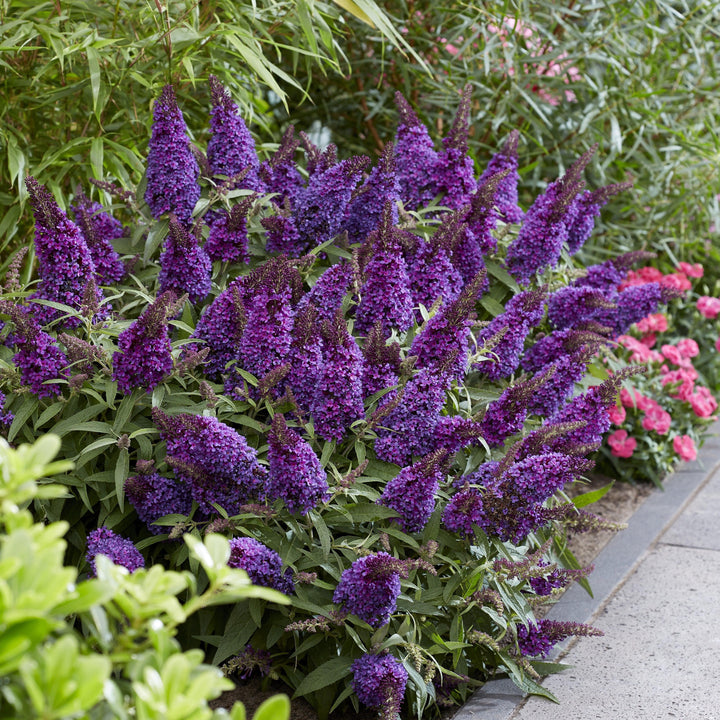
point(622, 445)
point(656, 418)
point(708, 307)
point(678, 280)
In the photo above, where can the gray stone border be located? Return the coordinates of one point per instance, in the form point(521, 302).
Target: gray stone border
point(498, 699)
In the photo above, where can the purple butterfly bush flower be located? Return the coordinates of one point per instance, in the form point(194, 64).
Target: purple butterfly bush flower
point(507, 333)
point(263, 565)
point(305, 356)
point(265, 342)
point(6, 417)
point(280, 174)
point(231, 148)
point(635, 303)
point(184, 266)
point(154, 496)
point(547, 224)
point(604, 276)
point(448, 332)
point(143, 357)
point(99, 229)
point(379, 682)
point(504, 165)
point(544, 586)
point(212, 459)
point(381, 367)
point(317, 159)
point(338, 398)
point(295, 474)
point(228, 238)
point(464, 512)
point(385, 294)
point(365, 210)
point(64, 259)
point(120, 550)
point(369, 588)
point(589, 203)
point(413, 490)
point(409, 428)
point(221, 326)
point(574, 307)
point(454, 432)
point(38, 357)
point(329, 291)
point(282, 235)
point(558, 344)
point(454, 173)
point(433, 276)
point(415, 158)
point(540, 637)
point(172, 170)
point(320, 206)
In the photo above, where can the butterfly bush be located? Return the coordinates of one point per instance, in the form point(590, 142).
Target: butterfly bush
point(378, 401)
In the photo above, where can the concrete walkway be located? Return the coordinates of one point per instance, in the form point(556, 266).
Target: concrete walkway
point(657, 599)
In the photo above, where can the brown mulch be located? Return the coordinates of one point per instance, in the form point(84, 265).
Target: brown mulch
point(617, 505)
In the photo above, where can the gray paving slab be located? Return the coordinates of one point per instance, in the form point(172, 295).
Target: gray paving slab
point(660, 653)
point(679, 515)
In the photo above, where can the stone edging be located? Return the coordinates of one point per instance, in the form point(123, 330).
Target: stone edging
point(498, 699)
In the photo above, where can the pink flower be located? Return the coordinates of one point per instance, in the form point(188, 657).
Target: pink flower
point(672, 354)
point(688, 348)
point(653, 324)
point(717, 344)
point(641, 276)
point(648, 340)
point(677, 281)
point(685, 378)
point(617, 414)
point(657, 419)
point(693, 271)
point(702, 402)
point(684, 447)
point(708, 307)
point(622, 445)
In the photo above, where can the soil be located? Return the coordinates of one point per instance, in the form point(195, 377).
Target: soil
point(617, 505)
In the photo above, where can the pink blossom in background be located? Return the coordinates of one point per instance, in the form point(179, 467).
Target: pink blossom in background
point(702, 402)
point(648, 340)
point(684, 447)
point(688, 348)
point(717, 344)
point(693, 271)
point(617, 414)
point(686, 377)
point(708, 307)
point(640, 401)
point(657, 419)
point(653, 324)
point(677, 281)
point(622, 445)
point(641, 276)
point(675, 356)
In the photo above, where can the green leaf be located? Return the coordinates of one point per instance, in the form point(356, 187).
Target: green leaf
point(588, 498)
point(21, 416)
point(122, 468)
point(327, 674)
point(492, 306)
point(276, 707)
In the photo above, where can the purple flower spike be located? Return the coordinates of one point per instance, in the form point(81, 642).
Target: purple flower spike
point(369, 588)
point(365, 210)
point(305, 356)
point(120, 550)
point(154, 496)
point(295, 474)
point(589, 204)
point(454, 173)
point(172, 170)
point(385, 295)
point(143, 358)
point(228, 238)
point(415, 158)
point(221, 326)
point(506, 196)
point(382, 362)
point(263, 565)
point(6, 417)
point(338, 399)
point(547, 224)
point(38, 358)
point(464, 512)
point(65, 261)
point(447, 333)
point(539, 638)
point(212, 459)
point(99, 230)
point(184, 265)
point(280, 174)
point(329, 291)
point(231, 148)
point(379, 682)
point(412, 491)
point(320, 207)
